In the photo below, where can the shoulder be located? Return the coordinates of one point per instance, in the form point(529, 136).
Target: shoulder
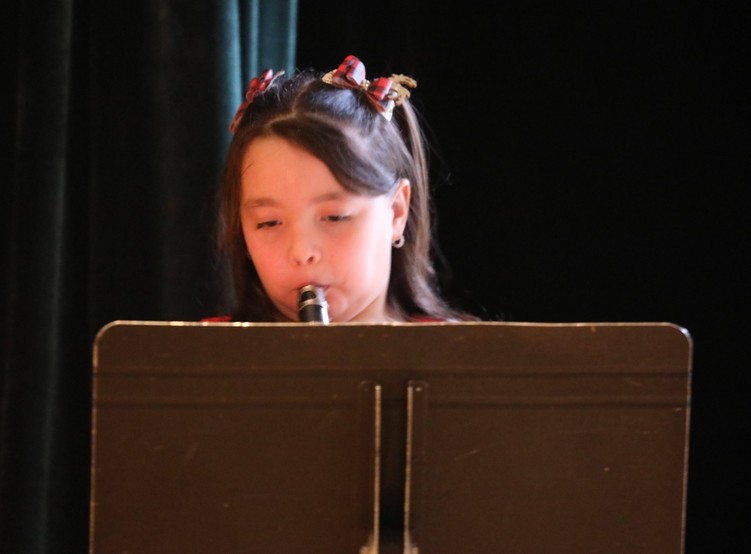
point(216, 319)
point(412, 319)
point(426, 319)
point(456, 317)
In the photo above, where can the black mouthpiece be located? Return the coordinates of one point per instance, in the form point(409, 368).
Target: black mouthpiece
point(312, 306)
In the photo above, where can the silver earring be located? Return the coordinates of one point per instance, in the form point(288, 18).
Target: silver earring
point(398, 243)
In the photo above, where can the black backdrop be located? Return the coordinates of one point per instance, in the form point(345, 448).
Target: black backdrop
point(588, 170)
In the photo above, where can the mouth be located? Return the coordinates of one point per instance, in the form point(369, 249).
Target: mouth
point(310, 284)
point(321, 292)
point(312, 306)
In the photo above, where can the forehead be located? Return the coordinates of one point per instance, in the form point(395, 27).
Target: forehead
point(274, 167)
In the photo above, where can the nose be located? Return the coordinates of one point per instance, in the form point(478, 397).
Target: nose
point(303, 247)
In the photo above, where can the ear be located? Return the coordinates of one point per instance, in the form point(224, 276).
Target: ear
point(400, 208)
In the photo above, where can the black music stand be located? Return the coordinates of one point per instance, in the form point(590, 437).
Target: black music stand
point(426, 438)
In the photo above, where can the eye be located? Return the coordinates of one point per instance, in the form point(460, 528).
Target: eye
point(268, 224)
point(336, 218)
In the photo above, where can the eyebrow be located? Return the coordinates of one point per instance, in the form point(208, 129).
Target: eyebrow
point(264, 201)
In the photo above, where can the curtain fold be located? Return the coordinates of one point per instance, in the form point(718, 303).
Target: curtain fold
point(115, 124)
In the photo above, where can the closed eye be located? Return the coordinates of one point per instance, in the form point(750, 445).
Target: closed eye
point(268, 224)
point(336, 218)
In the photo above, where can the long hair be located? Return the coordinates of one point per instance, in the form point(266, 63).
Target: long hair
point(366, 153)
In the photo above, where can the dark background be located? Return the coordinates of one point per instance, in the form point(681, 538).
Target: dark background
point(587, 168)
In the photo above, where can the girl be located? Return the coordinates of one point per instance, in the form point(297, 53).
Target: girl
point(326, 183)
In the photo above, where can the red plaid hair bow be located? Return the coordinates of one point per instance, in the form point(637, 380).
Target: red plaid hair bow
point(256, 86)
point(384, 92)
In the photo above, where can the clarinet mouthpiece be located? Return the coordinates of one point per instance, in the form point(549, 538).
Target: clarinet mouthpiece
point(312, 306)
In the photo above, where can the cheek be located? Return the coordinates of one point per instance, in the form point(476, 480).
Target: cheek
point(262, 256)
point(368, 251)
point(259, 253)
point(245, 228)
point(253, 245)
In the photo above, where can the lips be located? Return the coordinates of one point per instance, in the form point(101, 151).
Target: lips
point(312, 283)
point(296, 291)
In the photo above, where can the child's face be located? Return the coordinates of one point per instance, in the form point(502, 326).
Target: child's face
point(302, 227)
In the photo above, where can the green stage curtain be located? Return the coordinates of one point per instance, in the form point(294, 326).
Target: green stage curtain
point(114, 128)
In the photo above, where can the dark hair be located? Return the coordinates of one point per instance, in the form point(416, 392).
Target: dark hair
point(367, 154)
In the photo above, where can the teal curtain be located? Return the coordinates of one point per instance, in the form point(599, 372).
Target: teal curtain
point(114, 127)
